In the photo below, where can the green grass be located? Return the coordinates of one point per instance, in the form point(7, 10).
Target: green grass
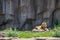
point(28, 34)
point(36, 34)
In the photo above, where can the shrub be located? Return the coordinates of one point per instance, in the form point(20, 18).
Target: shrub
point(57, 23)
point(57, 32)
point(11, 33)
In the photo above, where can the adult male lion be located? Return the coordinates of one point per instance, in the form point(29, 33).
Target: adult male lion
point(42, 27)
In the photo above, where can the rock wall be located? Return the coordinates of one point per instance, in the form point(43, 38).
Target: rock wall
point(26, 14)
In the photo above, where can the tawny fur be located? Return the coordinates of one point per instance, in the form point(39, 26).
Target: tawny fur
point(43, 26)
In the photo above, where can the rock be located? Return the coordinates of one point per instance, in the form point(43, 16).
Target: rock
point(40, 30)
point(5, 38)
point(2, 34)
point(46, 29)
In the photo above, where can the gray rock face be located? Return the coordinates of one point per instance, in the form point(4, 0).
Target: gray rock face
point(19, 11)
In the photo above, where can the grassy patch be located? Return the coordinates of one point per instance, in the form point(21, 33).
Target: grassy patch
point(28, 34)
point(36, 34)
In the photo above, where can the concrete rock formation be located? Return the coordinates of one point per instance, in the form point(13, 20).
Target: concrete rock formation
point(19, 11)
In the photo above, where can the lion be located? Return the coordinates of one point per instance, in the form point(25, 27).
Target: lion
point(42, 27)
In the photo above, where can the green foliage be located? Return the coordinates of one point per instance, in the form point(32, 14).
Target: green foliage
point(36, 34)
point(28, 34)
point(57, 32)
point(11, 33)
point(57, 23)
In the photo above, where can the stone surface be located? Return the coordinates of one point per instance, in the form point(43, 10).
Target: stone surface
point(37, 38)
point(20, 10)
point(5, 38)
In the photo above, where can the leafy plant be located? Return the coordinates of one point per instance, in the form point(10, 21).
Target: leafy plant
point(11, 33)
point(57, 32)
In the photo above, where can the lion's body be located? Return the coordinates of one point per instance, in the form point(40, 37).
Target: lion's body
point(43, 26)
